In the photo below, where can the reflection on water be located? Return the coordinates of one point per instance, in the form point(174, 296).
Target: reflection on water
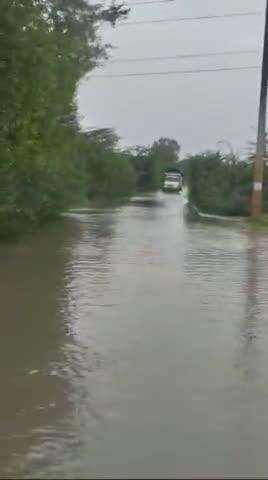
point(253, 325)
point(250, 326)
point(134, 344)
point(33, 399)
point(250, 323)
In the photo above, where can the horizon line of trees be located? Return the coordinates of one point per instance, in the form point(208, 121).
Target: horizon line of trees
point(112, 172)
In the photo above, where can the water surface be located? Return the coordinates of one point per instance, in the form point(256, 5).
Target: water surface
point(134, 344)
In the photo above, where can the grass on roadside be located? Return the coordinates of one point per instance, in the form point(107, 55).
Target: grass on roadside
point(260, 222)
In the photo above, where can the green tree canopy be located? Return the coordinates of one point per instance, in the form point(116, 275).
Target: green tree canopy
point(167, 150)
point(46, 47)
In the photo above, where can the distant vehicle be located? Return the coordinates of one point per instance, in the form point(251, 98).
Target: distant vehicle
point(173, 182)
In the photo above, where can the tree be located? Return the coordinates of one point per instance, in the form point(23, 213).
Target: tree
point(109, 171)
point(47, 46)
point(147, 167)
point(167, 150)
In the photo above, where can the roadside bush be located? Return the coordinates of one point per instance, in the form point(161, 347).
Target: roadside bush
point(108, 171)
point(114, 177)
point(219, 185)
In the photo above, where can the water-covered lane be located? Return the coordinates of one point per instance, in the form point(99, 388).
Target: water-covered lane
point(134, 343)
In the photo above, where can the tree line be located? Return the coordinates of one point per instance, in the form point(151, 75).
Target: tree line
point(111, 171)
point(46, 161)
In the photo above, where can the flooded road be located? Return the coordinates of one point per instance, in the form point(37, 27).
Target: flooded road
point(134, 343)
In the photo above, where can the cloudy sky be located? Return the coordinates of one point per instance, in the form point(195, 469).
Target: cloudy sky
point(197, 109)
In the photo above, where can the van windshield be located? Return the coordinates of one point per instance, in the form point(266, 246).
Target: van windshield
point(174, 178)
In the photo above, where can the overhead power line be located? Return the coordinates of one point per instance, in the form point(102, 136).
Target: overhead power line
point(175, 72)
point(190, 19)
point(149, 2)
point(184, 56)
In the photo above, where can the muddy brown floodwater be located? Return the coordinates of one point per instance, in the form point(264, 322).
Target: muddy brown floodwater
point(134, 343)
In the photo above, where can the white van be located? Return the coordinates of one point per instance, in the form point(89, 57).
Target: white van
point(172, 182)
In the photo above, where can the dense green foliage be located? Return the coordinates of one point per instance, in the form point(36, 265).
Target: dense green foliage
point(108, 171)
point(147, 168)
point(46, 161)
point(220, 184)
point(166, 150)
point(47, 46)
point(150, 162)
point(112, 172)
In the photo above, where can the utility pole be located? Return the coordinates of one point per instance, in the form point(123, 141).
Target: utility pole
point(256, 201)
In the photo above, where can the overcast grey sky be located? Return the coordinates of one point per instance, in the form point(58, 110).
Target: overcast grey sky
point(198, 109)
